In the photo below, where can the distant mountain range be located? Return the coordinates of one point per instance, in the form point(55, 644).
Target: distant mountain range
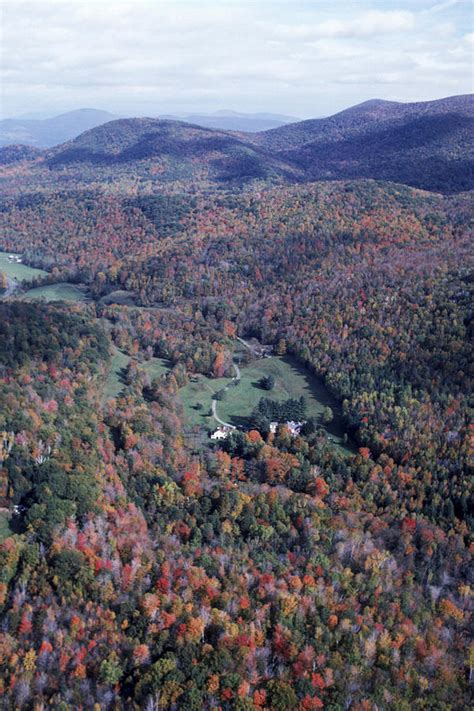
point(44, 133)
point(234, 121)
point(47, 132)
point(427, 145)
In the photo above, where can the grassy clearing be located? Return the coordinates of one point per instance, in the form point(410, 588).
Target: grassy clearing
point(5, 530)
point(156, 367)
point(200, 392)
point(291, 381)
point(20, 272)
point(115, 383)
point(124, 298)
point(57, 292)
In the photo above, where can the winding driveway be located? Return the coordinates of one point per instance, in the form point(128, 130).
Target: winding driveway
point(12, 286)
point(236, 378)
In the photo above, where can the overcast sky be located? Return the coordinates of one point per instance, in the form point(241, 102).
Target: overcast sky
point(303, 58)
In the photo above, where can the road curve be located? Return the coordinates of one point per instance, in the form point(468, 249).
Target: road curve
point(218, 419)
point(214, 402)
point(12, 286)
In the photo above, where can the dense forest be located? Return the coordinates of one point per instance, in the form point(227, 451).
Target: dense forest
point(425, 144)
point(146, 567)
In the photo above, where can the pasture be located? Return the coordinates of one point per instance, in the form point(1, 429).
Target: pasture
point(20, 272)
point(115, 383)
point(292, 380)
point(196, 398)
point(62, 291)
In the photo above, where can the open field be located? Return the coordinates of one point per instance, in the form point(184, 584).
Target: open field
point(62, 291)
point(124, 298)
point(20, 272)
point(155, 367)
point(200, 392)
point(291, 381)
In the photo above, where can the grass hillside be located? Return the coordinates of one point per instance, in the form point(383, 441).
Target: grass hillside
point(14, 270)
point(61, 291)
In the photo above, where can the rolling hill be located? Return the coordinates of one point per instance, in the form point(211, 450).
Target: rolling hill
point(426, 145)
point(17, 153)
point(362, 119)
point(32, 130)
point(171, 150)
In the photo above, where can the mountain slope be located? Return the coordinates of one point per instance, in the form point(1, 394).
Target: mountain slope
point(361, 119)
point(430, 152)
point(426, 145)
point(171, 149)
point(49, 132)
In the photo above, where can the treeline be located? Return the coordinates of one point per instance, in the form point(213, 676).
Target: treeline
point(273, 411)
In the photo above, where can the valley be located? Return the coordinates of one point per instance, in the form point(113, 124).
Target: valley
point(164, 543)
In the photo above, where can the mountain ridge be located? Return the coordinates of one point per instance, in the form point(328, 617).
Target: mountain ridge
point(49, 131)
point(426, 145)
point(310, 129)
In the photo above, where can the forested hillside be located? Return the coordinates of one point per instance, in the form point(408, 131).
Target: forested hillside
point(144, 565)
point(427, 145)
point(362, 119)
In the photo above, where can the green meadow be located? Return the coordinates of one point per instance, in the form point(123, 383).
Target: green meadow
point(196, 398)
point(291, 381)
point(20, 272)
point(114, 384)
point(57, 292)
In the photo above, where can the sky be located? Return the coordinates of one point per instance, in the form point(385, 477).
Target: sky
point(304, 58)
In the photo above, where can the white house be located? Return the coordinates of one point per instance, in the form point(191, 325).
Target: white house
point(294, 427)
point(220, 433)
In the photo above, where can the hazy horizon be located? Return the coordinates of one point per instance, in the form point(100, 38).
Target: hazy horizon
point(222, 111)
point(298, 58)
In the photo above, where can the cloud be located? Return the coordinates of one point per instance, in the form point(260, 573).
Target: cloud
point(365, 25)
point(442, 6)
point(152, 56)
point(369, 24)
